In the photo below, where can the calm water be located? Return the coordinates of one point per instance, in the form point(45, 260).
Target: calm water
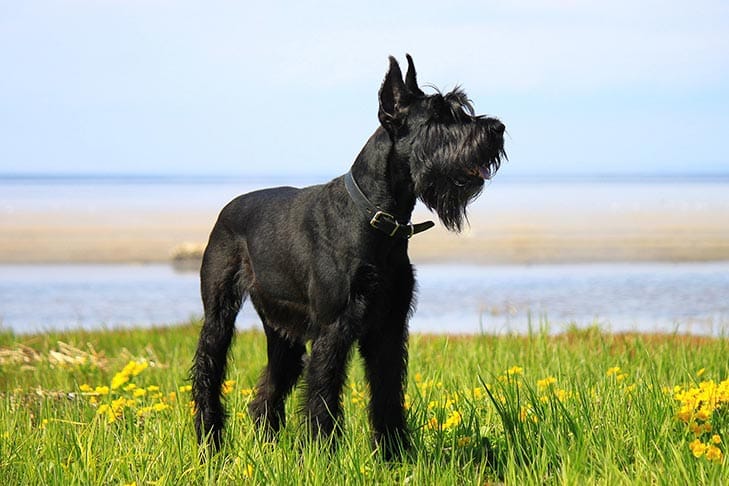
point(94, 195)
point(685, 298)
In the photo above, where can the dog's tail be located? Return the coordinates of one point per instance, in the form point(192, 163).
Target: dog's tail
point(224, 283)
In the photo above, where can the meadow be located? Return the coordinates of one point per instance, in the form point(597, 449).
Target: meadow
point(585, 406)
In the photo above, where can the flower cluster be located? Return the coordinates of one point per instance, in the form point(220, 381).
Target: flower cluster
point(704, 410)
point(124, 398)
point(442, 406)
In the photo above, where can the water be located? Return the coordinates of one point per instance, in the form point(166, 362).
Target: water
point(99, 194)
point(684, 298)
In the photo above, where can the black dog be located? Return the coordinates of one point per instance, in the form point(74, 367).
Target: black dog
point(329, 263)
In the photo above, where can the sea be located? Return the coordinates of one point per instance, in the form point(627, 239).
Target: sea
point(668, 297)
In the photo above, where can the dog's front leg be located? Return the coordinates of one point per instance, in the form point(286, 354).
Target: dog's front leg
point(384, 349)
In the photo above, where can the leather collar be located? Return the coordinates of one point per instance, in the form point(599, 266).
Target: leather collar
point(379, 219)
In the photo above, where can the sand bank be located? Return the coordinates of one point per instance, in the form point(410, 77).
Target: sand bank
point(511, 236)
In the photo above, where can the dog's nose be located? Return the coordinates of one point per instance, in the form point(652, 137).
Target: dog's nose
point(499, 128)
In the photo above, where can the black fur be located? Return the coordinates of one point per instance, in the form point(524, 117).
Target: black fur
point(314, 268)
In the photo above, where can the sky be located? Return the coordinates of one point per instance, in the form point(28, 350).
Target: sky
point(290, 88)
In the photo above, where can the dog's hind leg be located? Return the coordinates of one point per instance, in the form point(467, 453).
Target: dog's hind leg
point(285, 364)
point(224, 281)
point(327, 368)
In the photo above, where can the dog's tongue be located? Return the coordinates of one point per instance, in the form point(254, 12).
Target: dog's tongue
point(484, 171)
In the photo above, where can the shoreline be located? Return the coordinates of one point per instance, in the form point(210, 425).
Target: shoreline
point(525, 223)
point(508, 237)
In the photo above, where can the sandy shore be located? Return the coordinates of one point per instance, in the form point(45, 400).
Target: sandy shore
point(510, 236)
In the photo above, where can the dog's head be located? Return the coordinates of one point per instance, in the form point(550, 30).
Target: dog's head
point(449, 149)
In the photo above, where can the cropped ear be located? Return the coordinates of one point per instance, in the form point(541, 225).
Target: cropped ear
point(393, 98)
point(411, 80)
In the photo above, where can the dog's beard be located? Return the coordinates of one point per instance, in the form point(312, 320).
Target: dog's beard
point(450, 166)
point(449, 196)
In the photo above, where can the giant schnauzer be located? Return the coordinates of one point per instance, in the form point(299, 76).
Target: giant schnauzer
point(329, 264)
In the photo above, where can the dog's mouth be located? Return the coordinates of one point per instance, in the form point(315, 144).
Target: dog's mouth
point(482, 172)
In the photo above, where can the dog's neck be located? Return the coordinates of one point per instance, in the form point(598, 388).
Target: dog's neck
point(384, 177)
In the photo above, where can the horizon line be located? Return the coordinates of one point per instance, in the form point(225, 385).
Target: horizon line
point(620, 176)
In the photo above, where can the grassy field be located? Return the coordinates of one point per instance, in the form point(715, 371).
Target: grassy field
point(113, 407)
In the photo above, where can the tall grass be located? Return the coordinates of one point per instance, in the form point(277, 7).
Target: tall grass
point(113, 407)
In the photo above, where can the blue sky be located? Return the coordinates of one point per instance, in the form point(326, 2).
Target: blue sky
point(232, 87)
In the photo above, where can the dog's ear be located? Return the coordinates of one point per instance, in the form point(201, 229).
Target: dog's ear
point(393, 98)
point(411, 78)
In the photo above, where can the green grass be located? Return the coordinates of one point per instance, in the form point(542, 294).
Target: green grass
point(582, 407)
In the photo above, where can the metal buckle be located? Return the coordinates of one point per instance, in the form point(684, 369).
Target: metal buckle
point(376, 218)
point(382, 214)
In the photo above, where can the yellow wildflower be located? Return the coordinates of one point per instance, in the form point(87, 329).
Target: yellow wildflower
point(138, 367)
point(102, 390)
point(118, 405)
point(130, 387)
point(713, 453)
point(144, 411)
point(562, 395)
point(139, 392)
point(228, 386)
point(697, 448)
point(715, 439)
point(453, 420)
point(613, 371)
point(118, 380)
point(158, 407)
point(515, 370)
point(85, 388)
point(546, 382)
point(106, 410)
point(684, 414)
point(185, 388)
point(152, 388)
point(703, 413)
